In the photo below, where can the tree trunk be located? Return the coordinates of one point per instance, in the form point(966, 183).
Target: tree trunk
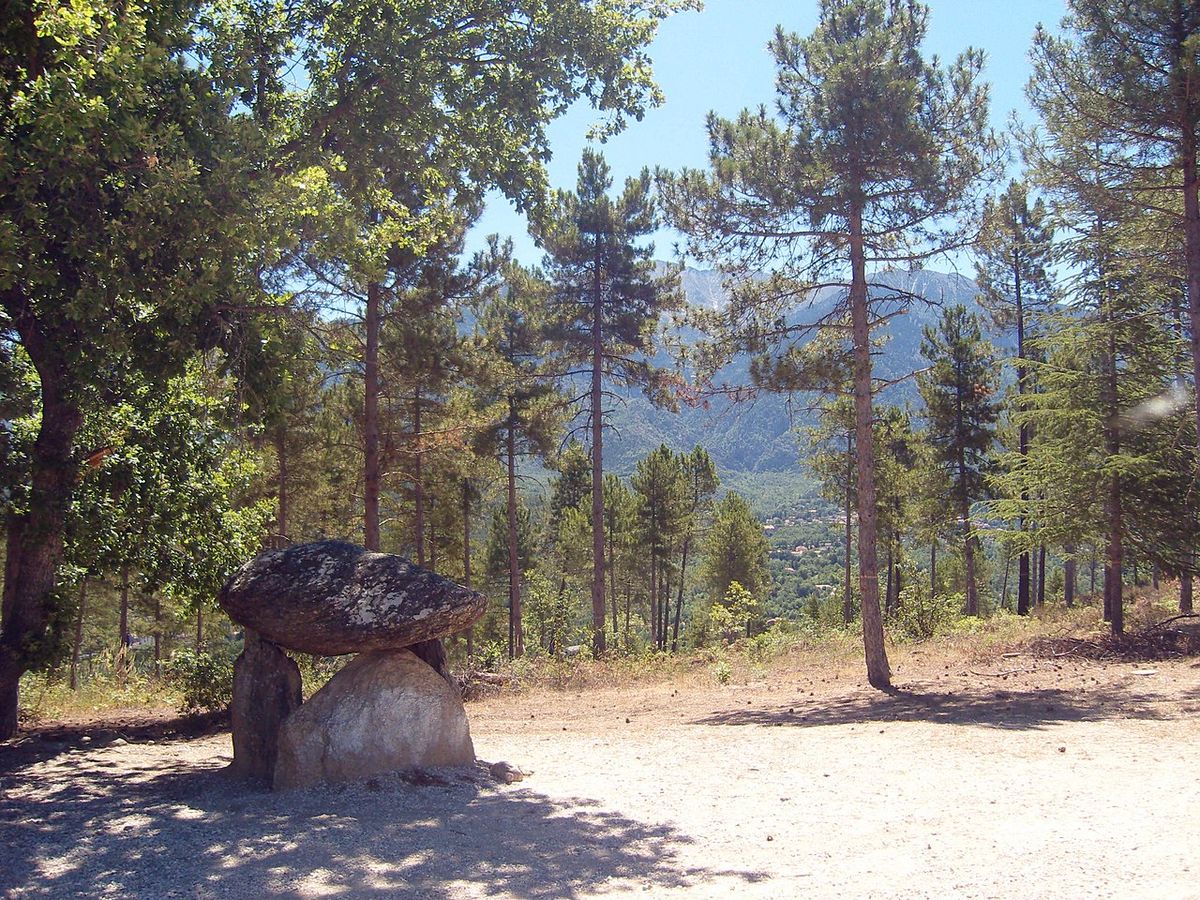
point(281, 513)
point(1191, 222)
point(77, 643)
point(679, 599)
point(1023, 593)
point(848, 592)
point(1185, 593)
point(516, 630)
point(597, 397)
point(933, 568)
point(1154, 576)
point(123, 659)
point(1041, 591)
point(418, 479)
point(1004, 582)
point(157, 635)
point(199, 627)
point(878, 671)
point(466, 515)
point(371, 461)
point(1069, 570)
point(968, 538)
point(1113, 595)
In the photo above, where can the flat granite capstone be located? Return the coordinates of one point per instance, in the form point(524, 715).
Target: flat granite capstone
point(331, 598)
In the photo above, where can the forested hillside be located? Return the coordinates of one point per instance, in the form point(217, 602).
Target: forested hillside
point(758, 434)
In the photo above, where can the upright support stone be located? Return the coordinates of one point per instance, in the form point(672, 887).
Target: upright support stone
point(266, 690)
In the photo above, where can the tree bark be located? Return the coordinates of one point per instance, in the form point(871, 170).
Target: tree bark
point(1191, 224)
point(157, 635)
point(1185, 593)
point(466, 516)
point(679, 599)
point(199, 627)
point(77, 643)
point(878, 671)
point(418, 479)
point(371, 461)
point(1113, 595)
point(123, 660)
point(516, 630)
point(35, 537)
point(1022, 437)
point(281, 512)
point(597, 392)
point(1069, 573)
point(848, 595)
point(1041, 591)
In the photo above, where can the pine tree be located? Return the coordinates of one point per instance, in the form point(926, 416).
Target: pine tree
point(876, 149)
point(1128, 75)
point(607, 302)
point(1011, 271)
point(958, 391)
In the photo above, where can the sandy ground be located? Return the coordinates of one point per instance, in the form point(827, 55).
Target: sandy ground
point(1067, 779)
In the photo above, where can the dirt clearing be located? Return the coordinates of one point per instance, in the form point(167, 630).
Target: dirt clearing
point(1029, 778)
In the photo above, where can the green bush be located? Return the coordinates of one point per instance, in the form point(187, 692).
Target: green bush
point(204, 680)
point(921, 616)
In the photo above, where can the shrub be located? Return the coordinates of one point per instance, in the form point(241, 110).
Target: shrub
point(204, 680)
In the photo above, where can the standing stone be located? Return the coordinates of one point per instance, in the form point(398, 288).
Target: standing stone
point(386, 711)
point(266, 690)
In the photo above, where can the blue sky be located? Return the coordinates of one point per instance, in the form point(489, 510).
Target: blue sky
point(717, 60)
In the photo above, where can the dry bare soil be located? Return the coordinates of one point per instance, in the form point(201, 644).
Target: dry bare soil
point(1021, 777)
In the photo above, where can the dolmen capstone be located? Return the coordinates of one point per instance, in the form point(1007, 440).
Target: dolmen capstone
point(390, 709)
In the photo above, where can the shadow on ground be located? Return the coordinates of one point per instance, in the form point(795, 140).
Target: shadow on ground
point(76, 829)
point(1016, 710)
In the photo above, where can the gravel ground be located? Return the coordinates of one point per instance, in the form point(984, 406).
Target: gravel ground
point(1068, 780)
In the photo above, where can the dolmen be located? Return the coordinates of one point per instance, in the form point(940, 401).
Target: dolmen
point(392, 708)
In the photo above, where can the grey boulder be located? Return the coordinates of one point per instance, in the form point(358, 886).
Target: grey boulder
point(384, 712)
point(332, 598)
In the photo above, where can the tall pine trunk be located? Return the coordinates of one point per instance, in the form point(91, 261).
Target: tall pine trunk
point(1114, 605)
point(281, 511)
point(418, 478)
point(77, 642)
point(1069, 573)
point(1022, 438)
point(597, 392)
point(847, 587)
point(1185, 593)
point(371, 461)
point(878, 671)
point(466, 517)
point(515, 630)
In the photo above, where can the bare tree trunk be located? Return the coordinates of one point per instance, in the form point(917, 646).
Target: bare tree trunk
point(1004, 582)
point(1113, 595)
point(1185, 593)
point(1041, 591)
point(371, 460)
point(878, 671)
point(35, 537)
point(466, 516)
point(418, 478)
point(1069, 571)
point(77, 643)
point(1185, 102)
point(123, 660)
point(679, 599)
point(516, 631)
point(1022, 440)
point(848, 592)
point(933, 568)
point(1154, 576)
point(157, 635)
point(281, 513)
point(199, 627)
point(598, 636)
